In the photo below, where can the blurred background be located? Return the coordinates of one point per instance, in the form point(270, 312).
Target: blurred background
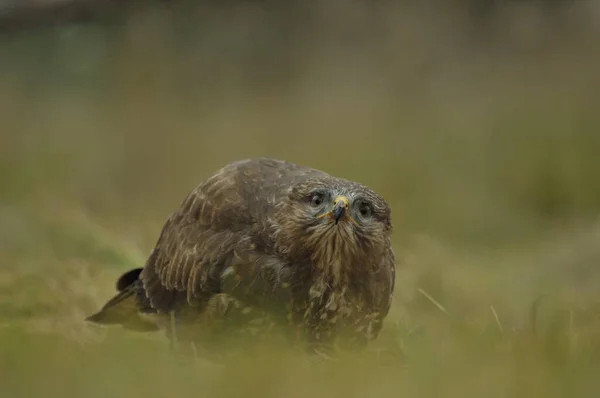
point(476, 119)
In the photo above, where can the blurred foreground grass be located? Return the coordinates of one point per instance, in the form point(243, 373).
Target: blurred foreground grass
point(488, 155)
point(482, 341)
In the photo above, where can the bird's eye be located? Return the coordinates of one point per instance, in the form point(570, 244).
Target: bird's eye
point(365, 210)
point(316, 199)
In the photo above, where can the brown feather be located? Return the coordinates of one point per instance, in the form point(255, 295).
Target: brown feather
point(247, 235)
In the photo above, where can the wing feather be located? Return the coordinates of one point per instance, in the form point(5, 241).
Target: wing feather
point(261, 280)
point(217, 225)
point(384, 284)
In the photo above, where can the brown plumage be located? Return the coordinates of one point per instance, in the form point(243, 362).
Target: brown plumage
point(266, 242)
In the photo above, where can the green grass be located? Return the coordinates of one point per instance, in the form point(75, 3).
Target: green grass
point(489, 161)
point(462, 324)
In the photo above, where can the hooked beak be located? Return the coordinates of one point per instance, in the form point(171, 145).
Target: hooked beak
point(338, 212)
point(341, 204)
point(340, 207)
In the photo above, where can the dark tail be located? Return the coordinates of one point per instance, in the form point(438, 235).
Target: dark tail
point(128, 279)
point(123, 309)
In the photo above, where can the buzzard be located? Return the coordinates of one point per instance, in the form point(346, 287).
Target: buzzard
point(265, 242)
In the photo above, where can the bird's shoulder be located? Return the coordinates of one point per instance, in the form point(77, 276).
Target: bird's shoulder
point(243, 192)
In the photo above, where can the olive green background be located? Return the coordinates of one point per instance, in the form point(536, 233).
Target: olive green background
point(484, 141)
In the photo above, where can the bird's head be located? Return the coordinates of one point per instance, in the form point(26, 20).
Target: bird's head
point(335, 219)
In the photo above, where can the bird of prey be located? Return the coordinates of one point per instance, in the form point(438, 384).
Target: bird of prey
point(308, 251)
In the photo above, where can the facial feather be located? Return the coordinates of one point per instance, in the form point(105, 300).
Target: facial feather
point(302, 231)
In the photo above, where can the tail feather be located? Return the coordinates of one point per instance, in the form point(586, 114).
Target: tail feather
point(123, 308)
point(128, 278)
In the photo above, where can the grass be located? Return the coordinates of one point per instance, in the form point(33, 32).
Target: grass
point(460, 325)
point(488, 158)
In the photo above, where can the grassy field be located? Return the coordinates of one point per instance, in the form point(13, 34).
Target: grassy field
point(486, 151)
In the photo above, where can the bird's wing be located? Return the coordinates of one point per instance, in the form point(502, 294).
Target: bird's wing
point(383, 286)
point(260, 280)
point(184, 267)
point(188, 266)
point(219, 226)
